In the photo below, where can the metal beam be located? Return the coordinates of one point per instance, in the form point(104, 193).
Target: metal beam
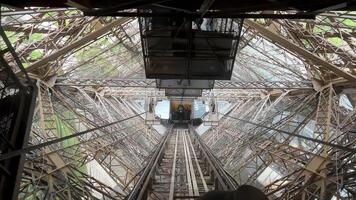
point(270, 35)
point(151, 83)
point(215, 14)
point(263, 85)
point(47, 143)
point(142, 83)
point(76, 44)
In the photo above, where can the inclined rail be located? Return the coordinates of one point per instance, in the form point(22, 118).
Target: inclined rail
point(228, 183)
point(139, 189)
point(181, 167)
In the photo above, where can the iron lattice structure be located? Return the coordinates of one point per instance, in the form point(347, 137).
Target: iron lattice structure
point(289, 127)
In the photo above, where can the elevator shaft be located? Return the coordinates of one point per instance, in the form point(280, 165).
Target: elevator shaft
point(182, 167)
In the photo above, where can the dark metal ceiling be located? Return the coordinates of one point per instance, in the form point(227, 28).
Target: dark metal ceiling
point(221, 5)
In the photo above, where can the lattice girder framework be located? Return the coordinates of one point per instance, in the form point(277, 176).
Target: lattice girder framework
point(326, 57)
point(100, 72)
point(52, 172)
point(275, 147)
point(119, 149)
point(151, 83)
point(68, 41)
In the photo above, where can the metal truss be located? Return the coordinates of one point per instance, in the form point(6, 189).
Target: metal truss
point(284, 85)
point(47, 38)
point(145, 93)
point(151, 83)
point(289, 131)
point(310, 41)
point(263, 140)
point(119, 149)
point(272, 138)
point(122, 83)
point(17, 102)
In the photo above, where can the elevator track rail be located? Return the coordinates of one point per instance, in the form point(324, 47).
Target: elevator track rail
point(182, 167)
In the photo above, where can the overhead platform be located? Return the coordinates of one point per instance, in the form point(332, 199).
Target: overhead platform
point(176, 48)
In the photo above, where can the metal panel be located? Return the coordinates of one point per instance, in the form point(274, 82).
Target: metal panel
point(184, 84)
point(174, 48)
point(184, 92)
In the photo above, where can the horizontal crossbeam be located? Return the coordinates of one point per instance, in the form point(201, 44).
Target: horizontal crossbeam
point(151, 83)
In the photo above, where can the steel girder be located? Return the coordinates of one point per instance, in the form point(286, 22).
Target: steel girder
point(301, 170)
point(305, 54)
point(76, 44)
point(151, 83)
point(291, 168)
point(117, 149)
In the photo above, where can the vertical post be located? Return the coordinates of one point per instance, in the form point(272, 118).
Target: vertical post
point(17, 103)
point(312, 181)
point(322, 130)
